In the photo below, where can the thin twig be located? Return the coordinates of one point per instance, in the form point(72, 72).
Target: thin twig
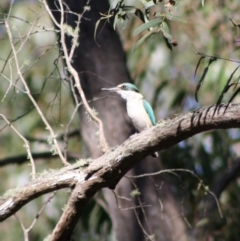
point(26, 145)
point(142, 206)
point(183, 170)
point(27, 91)
point(67, 130)
point(215, 57)
point(134, 207)
point(40, 211)
point(27, 230)
point(68, 59)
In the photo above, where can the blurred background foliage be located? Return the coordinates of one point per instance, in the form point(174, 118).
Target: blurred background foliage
point(167, 80)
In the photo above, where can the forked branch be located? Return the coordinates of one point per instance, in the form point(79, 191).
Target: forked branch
point(107, 170)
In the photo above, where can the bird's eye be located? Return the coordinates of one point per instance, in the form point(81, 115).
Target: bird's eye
point(124, 87)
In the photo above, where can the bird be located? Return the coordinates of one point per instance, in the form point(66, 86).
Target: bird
point(139, 110)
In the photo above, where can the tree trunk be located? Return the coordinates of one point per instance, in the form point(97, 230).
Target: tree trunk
point(101, 63)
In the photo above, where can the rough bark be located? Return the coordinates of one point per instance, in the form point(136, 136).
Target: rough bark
point(99, 63)
point(107, 170)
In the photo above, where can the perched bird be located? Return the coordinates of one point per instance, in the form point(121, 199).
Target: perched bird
point(138, 109)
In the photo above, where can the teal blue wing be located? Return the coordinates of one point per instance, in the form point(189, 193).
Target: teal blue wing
point(150, 112)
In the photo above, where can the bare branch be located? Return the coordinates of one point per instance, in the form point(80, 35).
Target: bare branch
point(68, 58)
point(76, 204)
point(27, 230)
point(66, 177)
point(27, 91)
point(26, 144)
point(71, 119)
point(215, 57)
point(107, 170)
point(40, 211)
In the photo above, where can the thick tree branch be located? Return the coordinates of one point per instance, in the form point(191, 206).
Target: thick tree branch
point(75, 206)
point(170, 132)
point(13, 200)
point(107, 170)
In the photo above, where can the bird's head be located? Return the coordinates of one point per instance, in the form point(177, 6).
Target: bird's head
point(126, 90)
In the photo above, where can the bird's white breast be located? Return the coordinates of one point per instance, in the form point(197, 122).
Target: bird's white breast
point(138, 114)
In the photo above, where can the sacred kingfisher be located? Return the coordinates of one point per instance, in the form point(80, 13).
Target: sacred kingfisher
point(139, 110)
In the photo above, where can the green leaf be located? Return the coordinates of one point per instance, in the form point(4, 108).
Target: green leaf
point(233, 96)
point(106, 17)
point(148, 25)
point(170, 17)
point(203, 2)
point(129, 9)
point(202, 222)
point(198, 64)
point(119, 5)
point(122, 19)
point(140, 15)
point(123, 23)
point(174, 18)
point(165, 28)
point(115, 21)
point(200, 82)
point(167, 35)
point(227, 86)
point(147, 14)
point(166, 32)
point(96, 27)
point(170, 41)
point(148, 4)
point(141, 40)
point(167, 43)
